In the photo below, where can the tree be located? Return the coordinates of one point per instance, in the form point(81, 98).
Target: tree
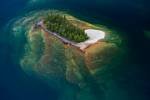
point(58, 23)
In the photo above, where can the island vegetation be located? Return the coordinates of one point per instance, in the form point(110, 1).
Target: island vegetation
point(58, 23)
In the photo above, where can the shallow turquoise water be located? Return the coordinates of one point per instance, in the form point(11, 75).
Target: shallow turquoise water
point(132, 80)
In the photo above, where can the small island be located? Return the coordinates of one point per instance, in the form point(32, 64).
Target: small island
point(66, 52)
point(71, 30)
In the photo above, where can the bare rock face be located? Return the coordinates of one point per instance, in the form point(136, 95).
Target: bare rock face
point(64, 67)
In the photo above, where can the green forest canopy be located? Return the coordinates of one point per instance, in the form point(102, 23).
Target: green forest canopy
point(58, 23)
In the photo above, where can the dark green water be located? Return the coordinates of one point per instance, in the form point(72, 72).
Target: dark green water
point(129, 16)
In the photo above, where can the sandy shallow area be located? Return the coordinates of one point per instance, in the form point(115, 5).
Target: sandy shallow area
point(94, 36)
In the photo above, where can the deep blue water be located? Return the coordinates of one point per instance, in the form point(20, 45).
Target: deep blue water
point(130, 16)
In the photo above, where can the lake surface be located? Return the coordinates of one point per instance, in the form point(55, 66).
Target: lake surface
point(130, 16)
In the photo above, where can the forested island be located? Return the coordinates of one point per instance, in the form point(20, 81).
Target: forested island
point(66, 67)
point(58, 23)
